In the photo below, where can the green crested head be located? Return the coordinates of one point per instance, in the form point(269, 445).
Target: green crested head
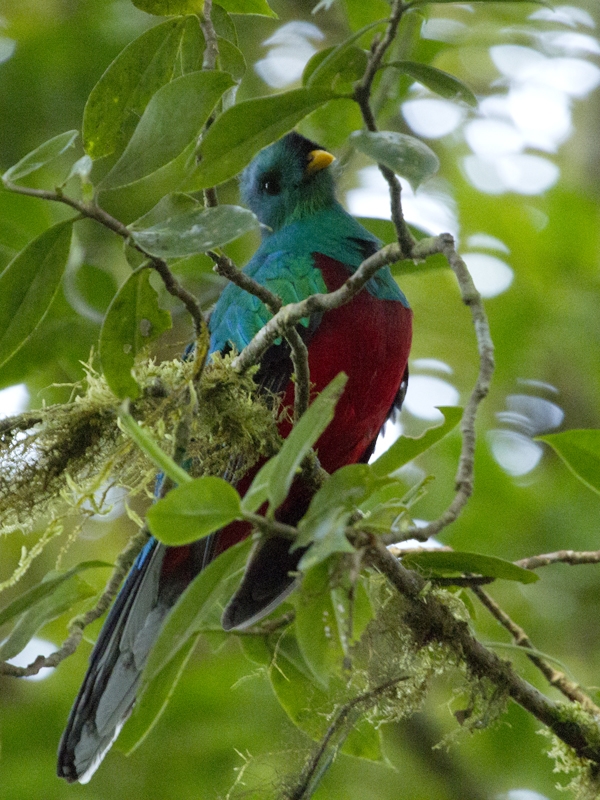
point(287, 181)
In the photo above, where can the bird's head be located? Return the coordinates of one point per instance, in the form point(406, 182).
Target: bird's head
point(287, 181)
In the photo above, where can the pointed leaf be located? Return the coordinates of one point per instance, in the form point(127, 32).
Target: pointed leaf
point(580, 450)
point(28, 286)
point(197, 603)
point(195, 231)
point(437, 80)
point(231, 59)
point(405, 449)
point(194, 510)
point(42, 155)
point(322, 71)
point(302, 437)
point(63, 597)
point(119, 98)
point(404, 154)
point(258, 491)
point(260, 7)
point(146, 443)
point(243, 130)
point(150, 706)
point(168, 8)
point(171, 121)
point(133, 320)
point(442, 562)
point(42, 590)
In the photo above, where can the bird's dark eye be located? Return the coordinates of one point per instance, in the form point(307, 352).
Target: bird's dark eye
point(270, 183)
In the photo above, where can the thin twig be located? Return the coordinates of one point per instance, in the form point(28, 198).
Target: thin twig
point(472, 299)
point(337, 731)
point(225, 267)
point(573, 557)
point(211, 55)
point(554, 677)
point(434, 621)
point(92, 211)
point(362, 95)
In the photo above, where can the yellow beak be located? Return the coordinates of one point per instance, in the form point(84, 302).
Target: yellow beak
point(318, 160)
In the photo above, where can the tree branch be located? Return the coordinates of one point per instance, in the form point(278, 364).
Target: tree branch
point(92, 211)
point(362, 95)
point(430, 619)
point(225, 267)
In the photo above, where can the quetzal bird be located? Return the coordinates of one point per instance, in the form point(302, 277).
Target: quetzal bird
point(310, 244)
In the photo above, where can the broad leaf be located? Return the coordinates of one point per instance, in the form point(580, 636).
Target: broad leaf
point(167, 8)
point(62, 598)
point(442, 562)
point(324, 525)
point(248, 7)
point(195, 231)
point(119, 98)
point(405, 449)
point(194, 510)
point(403, 154)
point(231, 58)
point(311, 708)
point(28, 286)
point(133, 320)
point(580, 450)
point(322, 69)
point(302, 437)
point(196, 605)
point(323, 618)
point(243, 130)
point(41, 156)
point(171, 121)
point(437, 80)
point(40, 592)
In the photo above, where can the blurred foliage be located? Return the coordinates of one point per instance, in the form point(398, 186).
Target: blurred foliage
point(223, 721)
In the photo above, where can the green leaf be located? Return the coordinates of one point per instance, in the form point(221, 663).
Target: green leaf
point(171, 121)
point(311, 708)
point(302, 437)
point(437, 80)
point(405, 449)
point(28, 286)
point(147, 444)
point(63, 597)
point(119, 98)
point(38, 593)
point(322, 620)
point(231, 58)
point(319, 638)
point(195, 231)
point(243, 130)
point(41, 156)
point(150, 706)
point(324, 524)
point(133, 320)
point(194, 510)
point(260, 7)
point(322, 71)
point(404, 154)
point(580, 450)
point(258, 491)
point(168, 8)
point(442, 562)
point(205, 594)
